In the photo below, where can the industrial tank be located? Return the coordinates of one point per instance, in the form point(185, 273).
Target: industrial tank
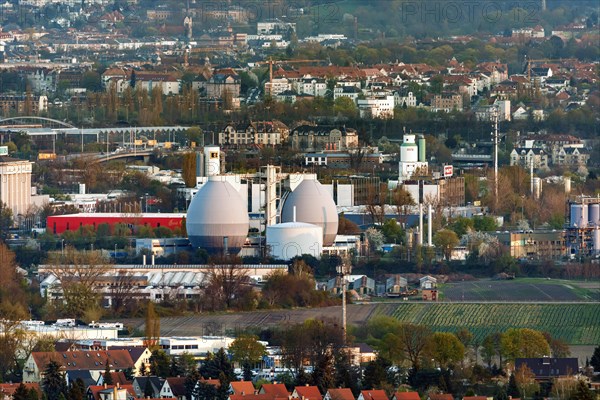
point(579, 215)
point(409, 151)
point(314, 205)
point(217, 219)
point(594, 214)
point(596, 240)
point(291, 239)
point(422, 149)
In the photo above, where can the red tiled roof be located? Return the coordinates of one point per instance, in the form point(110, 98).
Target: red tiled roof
point(374, 394)
point(340, 394)
point(275, 390)
point(308, 392)
point(242, 387)
point(407, 396)
point(85, 360)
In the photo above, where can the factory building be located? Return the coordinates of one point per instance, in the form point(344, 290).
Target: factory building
point(582, 234)
point(412, 157)
point(15, 184)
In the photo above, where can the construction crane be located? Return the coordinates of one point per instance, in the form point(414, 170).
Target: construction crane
point(270, 62)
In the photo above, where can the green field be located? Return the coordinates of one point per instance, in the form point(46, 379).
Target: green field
point(577, 324)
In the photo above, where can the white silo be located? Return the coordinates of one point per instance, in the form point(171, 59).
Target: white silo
point(217, 219)
point(409, 151)
point(594, 214)
point(596, 240)
point(579, 217)
point(212, 160)
point(291, 239)
point(314, 205)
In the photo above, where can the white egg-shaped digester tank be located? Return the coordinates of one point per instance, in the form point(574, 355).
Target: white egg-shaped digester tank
point(217, 219)
point(291, 239)
point(314, 205)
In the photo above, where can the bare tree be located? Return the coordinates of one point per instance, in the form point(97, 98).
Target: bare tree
point(375, 203)
point(414, 340)
point(227, 281)
point(80, 273)
point(122, 291)
point(403, 201)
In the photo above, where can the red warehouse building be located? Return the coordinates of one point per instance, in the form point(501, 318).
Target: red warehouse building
point(58, 224)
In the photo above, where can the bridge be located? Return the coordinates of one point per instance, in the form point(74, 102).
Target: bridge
point(42, 126)
point(98, 158)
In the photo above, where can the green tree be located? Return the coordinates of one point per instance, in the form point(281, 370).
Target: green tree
point(513, 390)
point(446, 240)
point(217, 364)
point(160, 363)
point(191, 380)
point(413, 342)
point(595, 360)
point(247, 351)
point(77, 390)
point(108, 379)
point(53, 383)
point(524, 343)
point(445, 349)
point(344, 106)
point(6, 220)
point(375, 375)
point(21, 393)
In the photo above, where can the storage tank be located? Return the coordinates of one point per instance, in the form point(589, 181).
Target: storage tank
point(422, 147)
point(409, 152)
point(579, 216)
point(291, 239)
point(594, 214)
point(596, 240)
point(212, 160)
point(567, 181)
point(314, 205)
point(217, 219)
point(537, 187)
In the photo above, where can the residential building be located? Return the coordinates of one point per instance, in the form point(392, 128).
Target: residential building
point(15, 105)
point(241, 388)
point(276, 86)
point(405, 99)
point(350, 91)
point(447, 102)
point(311, 86)
point(350, 159)
point(223, 84)
point(168, 83)
point(339, 394)
point(307, 393)
point(361, 353)
point(93, 361)
point(572, 157)
point(406, 396)
point(270, 133)
point(524, 157)
point(373, 394)
point(379, 106)
point(549, 368)
point(142, 385)
point(174, 387)
point(321, 137)
point(15, 184)
point(361, 284)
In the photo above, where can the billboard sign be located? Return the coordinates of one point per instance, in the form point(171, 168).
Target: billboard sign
point(448, 171)
point(3, 150)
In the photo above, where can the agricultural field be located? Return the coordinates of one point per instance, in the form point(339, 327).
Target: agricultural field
point(577, 324)
point(522, 289)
